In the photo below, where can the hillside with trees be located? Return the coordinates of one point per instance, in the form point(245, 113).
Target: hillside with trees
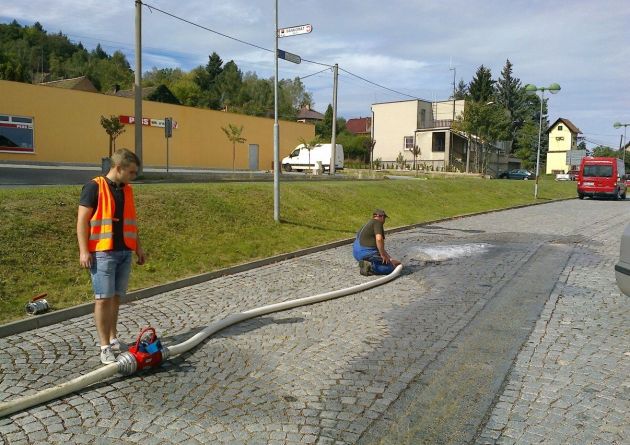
point(30, 54)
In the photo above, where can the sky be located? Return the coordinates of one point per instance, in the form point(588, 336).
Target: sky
point(410, 46)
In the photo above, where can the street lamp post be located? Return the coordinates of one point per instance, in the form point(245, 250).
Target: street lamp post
point(531, 89)
point(619, 125)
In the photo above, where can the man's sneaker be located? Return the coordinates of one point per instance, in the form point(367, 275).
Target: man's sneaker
point(365, 268)
point(107, 356)
point(118, 346)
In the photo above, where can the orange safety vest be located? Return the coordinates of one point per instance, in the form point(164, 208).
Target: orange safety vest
point(101, 223)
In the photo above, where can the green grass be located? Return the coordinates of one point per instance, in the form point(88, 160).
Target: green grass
point(188, 229)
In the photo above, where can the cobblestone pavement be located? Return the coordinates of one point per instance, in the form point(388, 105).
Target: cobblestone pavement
point(329, 372)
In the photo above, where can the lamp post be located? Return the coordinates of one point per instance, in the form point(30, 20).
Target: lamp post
point(619, 125)
point(531, 89)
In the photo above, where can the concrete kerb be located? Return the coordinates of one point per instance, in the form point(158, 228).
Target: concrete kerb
point(40, 321)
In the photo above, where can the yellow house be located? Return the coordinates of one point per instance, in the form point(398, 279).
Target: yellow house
point(43, 124)
point(562, 138)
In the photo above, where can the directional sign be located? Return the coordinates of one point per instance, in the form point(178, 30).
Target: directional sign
point(294, 30)
point(290, 57)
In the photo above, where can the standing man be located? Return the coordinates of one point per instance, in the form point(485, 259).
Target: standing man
point(107, 234)
point(369, 247)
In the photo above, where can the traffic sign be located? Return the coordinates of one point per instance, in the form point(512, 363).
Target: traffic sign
point(290, 57)
point(294, 30)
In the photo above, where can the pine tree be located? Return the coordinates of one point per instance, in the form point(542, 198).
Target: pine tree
point(481, 88)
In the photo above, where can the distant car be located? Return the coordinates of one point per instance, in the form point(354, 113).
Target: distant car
point(563, 177)
point(518, 173)
point(622, 268)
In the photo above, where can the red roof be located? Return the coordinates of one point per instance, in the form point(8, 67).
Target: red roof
point(359, 125)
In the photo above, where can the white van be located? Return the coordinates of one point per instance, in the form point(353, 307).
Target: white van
point(300, 159)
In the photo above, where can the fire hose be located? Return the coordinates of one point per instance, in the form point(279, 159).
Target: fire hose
point(128, 363)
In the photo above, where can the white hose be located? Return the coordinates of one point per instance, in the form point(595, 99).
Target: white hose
point(13, 406)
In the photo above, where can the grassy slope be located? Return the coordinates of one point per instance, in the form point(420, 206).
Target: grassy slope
point(193, 228)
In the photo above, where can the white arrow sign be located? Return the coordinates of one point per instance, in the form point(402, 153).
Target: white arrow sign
point(294, 30)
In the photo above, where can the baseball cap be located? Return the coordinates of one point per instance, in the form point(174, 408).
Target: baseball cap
point(379, 212)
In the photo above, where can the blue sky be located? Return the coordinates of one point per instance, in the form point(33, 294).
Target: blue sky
point(407, 46)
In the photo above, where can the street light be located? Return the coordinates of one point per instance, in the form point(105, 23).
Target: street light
point(619, 125)
point(531, 89)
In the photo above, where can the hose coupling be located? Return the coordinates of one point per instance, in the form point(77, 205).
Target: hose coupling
point(127, 363)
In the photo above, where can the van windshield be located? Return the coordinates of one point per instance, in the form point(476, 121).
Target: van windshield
point(597, 171)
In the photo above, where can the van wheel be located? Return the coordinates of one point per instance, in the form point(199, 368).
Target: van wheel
point(623, 196)
point(618, 195)
point(287, 167)
point(580, 196)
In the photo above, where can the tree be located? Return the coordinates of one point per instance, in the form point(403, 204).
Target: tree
point(481, 87)
point(461, 92)
point(415, 151)
point(483, 123)
point(511, 95)
point(308, 146)
point(369, 144)
point(233, 133)
point(606, 152)
point(400, 160)
point(228, 85)
point(114, 128)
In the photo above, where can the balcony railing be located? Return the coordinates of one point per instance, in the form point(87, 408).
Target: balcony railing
point(442, 123)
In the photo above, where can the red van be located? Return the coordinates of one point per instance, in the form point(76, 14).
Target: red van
point(601, 177)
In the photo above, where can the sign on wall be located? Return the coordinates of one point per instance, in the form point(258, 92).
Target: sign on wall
point(146, 121)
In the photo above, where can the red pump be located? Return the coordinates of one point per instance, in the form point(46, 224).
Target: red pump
point(148, 349)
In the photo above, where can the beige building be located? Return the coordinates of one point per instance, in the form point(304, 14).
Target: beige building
point(399, 126)
point(562, 138)
point(42, 124)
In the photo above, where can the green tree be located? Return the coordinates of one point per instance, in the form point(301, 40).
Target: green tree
point(606, 152)
point(228, 85)
point(461, 92)
point(233, 133)
point(114, 128)
point(481, 87)
point(415, 151)
point(308, 146)
point(510, 94)
point(324, 128)
point(483, 123)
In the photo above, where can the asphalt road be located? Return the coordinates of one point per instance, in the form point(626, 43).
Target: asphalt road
point(504, 328)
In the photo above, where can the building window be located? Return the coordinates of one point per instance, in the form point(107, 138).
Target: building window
point(559, 127)
point(559, 138)
point(16, 134)
point(439, 142)
point(408, 143)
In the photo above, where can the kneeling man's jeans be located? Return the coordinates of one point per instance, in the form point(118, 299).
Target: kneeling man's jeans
point(371, 254)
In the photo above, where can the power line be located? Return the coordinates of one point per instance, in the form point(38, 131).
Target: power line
point(151, 7)
point(376, 84)
point(309, 75)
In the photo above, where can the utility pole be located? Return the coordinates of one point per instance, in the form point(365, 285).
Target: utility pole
point(450, 149)
point(138, 85)
point(276, 130)
point(333, 138)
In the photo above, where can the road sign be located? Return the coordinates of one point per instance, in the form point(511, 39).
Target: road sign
point(294, 30)
point(290, 57)
point(574, 157)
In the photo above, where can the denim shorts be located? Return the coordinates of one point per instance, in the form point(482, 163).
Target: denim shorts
point(110, 273)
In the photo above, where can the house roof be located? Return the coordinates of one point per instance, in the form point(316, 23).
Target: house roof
point(76, 83)
point(359, 125)
point(307, 113)
point(146, 91)
point(566, 122)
